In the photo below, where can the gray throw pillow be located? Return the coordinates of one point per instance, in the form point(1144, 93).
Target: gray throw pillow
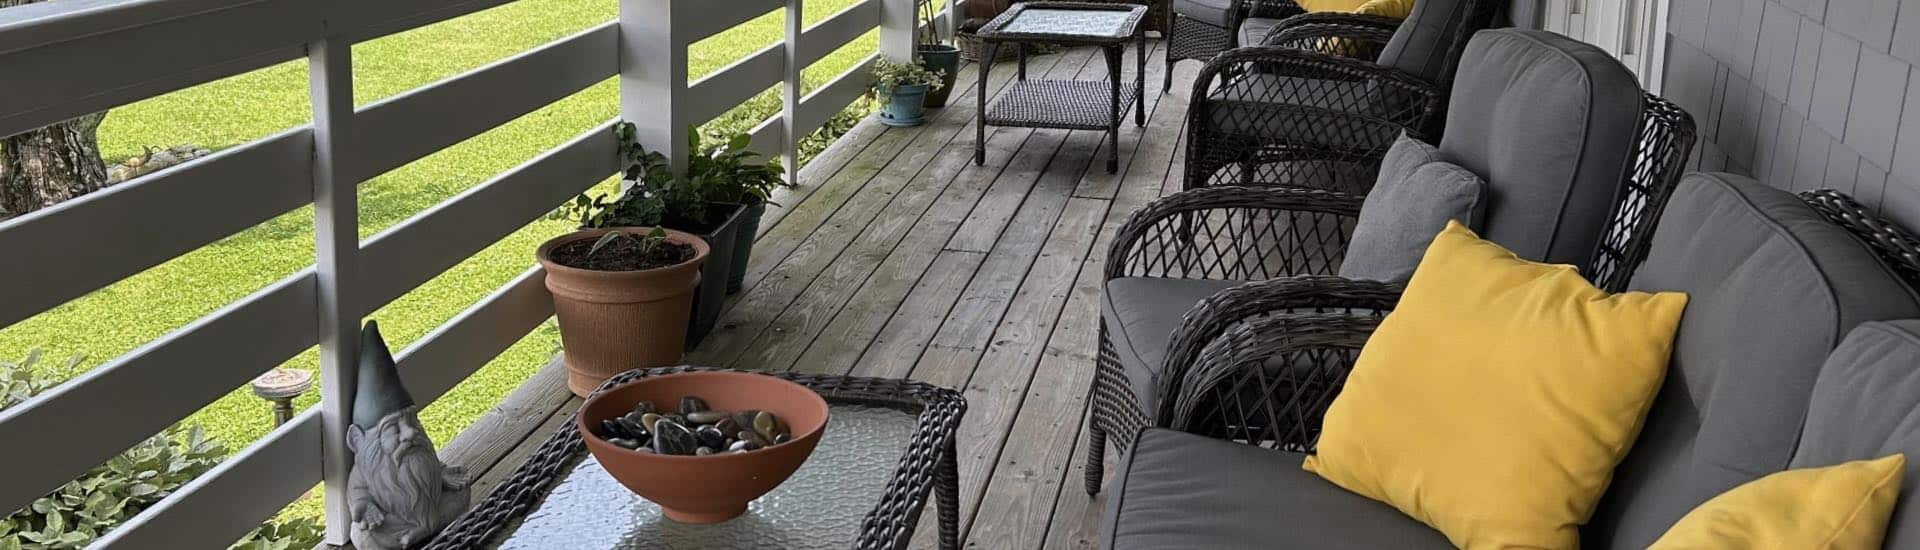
point(1408, 206)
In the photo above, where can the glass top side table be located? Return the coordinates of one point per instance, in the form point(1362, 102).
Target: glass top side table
point(888, 448)
point(1066, 104)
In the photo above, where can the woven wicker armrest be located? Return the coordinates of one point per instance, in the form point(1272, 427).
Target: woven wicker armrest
point(1350, 35)
point(1271, 8)
point(1234, 233)
point(1269, 381)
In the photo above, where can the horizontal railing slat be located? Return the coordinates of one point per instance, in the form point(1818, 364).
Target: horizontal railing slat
point(734, 84)
point(413, 252)
point(409, 126)
point(361, 20)
point(65, 251)
point(828, 100)
point(837, 30)
point(768, 137)
point(57, 81)
point(100, 413)
point(220, 506)
point(441, 359)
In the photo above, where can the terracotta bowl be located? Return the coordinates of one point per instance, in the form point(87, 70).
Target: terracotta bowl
point(717, 487)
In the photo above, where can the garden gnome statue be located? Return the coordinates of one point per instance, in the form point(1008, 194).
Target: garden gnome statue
point(400, 493)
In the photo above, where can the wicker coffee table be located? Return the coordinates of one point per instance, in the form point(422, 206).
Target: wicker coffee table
point(1070, 104)
point(888, 446)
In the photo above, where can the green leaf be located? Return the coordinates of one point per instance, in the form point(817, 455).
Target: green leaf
point(605, 240)
point(740, 141)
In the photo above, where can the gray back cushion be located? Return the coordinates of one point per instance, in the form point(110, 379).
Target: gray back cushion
point(1409, 204)
point(1549, 122)
point(1429, 42)
point(1772, 288)
point(1865, 405)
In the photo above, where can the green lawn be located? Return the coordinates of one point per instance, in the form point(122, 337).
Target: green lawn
point(236, 110)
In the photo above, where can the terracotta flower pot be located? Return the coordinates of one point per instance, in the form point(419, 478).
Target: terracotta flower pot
point(717, 487)
point(615, 321)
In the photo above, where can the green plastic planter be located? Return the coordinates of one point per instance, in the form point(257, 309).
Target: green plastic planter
point(743, 244)
point(721, 233)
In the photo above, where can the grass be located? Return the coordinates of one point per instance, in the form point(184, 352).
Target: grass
point(233, 111)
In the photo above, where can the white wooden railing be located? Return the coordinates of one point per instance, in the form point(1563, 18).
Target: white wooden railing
point(67, 58)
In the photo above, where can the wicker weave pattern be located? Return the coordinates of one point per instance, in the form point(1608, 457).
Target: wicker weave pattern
point(928, 465)
point(1283, 116)
point(1231, 392)
point(1350, 35)
point(1659, 157)
point(1066, 104)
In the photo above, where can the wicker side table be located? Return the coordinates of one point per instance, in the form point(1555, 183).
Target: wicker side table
point(889, 448)
point(1067, 104)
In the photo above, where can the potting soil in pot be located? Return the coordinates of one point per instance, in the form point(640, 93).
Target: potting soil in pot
point(621, 255)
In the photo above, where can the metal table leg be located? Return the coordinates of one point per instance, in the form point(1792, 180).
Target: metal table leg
point(1114, 53)
point(1140, 82)
point(980, 112)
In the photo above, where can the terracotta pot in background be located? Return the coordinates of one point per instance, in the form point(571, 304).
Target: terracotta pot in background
point(717, 487)
point(615, 321)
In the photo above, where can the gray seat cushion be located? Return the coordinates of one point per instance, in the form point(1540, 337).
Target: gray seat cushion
point(1772, 288)
point(1428, 41)
point(1410, 203)
point(1254, 30)
point(1141, 314)
point(1212, 12)
point(1864, 406)
point(1549, 123)
point(1178, 490)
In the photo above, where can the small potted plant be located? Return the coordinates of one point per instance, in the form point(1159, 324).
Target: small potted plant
point(730, 174)
point(936, 55)
point(654, 196)
point(901, 89)
point(622, 296)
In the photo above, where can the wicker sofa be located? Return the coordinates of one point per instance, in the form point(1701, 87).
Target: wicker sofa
point(1579, 179)
point(1755, 385)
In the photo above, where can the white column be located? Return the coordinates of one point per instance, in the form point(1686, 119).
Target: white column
point(336, 222)
point(790, 93)
point(653, 73)
point(897, 23)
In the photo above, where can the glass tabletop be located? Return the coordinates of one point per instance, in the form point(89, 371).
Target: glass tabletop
point(821, 506)
point(1064, 21)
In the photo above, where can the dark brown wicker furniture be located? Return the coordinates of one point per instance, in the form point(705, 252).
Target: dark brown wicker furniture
point(1069, 104)
point(1291, 240)
point(1322, 98)
point(1213, 27)
point(926, 467)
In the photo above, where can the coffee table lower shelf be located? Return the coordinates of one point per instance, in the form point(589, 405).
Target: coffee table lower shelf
point(1066, 104)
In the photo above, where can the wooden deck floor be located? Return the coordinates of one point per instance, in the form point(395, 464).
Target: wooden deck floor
point(899, 257)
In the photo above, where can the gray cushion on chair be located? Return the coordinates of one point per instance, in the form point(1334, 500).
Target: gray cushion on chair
point(1213, 12)
point(1549, 122)
point(1410, 203)
point(1866, 404)
point(1178, 490)
point(1141, 314)
point(1253, 31)
point(1425, 41)
point(1772, 287)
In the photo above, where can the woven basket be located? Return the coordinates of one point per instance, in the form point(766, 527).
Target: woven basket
point(971, 48)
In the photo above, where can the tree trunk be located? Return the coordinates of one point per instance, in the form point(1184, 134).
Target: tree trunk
point(40, 168)
point(43, 167)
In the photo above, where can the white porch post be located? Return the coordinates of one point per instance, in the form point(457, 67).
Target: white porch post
point(336, 218)
point(653, 73)
point(897, 23)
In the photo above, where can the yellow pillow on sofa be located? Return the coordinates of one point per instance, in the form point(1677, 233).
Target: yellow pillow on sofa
point(1495, 400)
point(1329, 5)
point(1397, 9)
point(1835, 507)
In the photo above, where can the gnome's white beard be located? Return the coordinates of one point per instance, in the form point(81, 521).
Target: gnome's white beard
point(401, 493)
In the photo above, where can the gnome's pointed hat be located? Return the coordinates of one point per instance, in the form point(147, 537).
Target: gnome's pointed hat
point(379, 391)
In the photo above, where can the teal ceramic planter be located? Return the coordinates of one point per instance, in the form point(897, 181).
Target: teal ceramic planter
point(943, 58)
point(904, 105)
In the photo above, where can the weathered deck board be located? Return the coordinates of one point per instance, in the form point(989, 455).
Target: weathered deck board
point(899, 257)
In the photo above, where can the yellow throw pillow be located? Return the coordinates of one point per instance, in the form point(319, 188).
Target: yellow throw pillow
point(1397, 9)
point(1494, 402)
point(1329, 5)
point(1837, 507)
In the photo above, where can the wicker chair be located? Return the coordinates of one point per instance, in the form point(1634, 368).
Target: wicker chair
point(1196, 250)
point(1201, 29)
point(1300, 109)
